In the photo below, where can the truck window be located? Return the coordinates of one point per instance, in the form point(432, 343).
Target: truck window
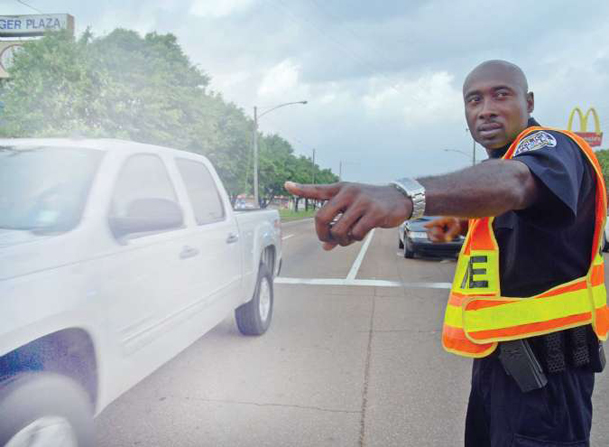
point(143, 176)
point(44, 189)
point(202, 191)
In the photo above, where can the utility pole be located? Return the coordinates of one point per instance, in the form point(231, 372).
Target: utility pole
point(313, 167)
point(340, 171)
point(256, 198)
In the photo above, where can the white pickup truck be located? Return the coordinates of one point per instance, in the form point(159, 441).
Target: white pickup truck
point(114, 257)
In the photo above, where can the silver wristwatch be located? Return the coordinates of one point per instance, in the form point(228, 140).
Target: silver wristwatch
point(415, 192)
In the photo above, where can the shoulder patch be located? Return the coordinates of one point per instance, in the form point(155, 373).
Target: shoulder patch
point(535, 141)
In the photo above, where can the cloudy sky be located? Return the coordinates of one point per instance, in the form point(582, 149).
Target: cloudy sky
point(383, 79)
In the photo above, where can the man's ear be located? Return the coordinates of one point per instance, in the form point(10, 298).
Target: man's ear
point(530, 102)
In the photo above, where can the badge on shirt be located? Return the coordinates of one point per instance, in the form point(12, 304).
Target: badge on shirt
point(535, 141)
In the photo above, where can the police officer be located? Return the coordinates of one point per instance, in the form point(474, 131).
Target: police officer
point(528, 301)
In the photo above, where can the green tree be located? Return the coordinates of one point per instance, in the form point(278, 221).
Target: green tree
point(276, 166)
point(51, 85)
point(230, 145)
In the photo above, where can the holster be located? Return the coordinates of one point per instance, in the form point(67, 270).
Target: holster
point(519, 361)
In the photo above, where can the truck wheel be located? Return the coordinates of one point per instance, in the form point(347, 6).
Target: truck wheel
point(254, 317)
point(44, 409)
point(408, 251)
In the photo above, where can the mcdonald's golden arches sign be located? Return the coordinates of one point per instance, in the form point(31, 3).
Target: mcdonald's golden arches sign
point(593, 138)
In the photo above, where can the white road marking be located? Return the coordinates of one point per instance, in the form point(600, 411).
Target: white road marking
point(360, 257)
point(287, 236)
point(361, 282)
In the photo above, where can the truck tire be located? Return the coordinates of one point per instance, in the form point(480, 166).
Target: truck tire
point(45, 409)
point(254, 317)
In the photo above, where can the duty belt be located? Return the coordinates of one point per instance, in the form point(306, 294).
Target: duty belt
point(528, 360)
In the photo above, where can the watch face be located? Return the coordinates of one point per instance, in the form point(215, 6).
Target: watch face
point(6, 57)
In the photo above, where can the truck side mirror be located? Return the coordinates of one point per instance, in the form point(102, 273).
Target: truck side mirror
point(150, 214)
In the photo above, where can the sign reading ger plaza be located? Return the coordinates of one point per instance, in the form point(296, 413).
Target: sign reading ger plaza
point(34, 25)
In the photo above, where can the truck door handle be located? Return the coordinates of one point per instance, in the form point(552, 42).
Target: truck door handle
point(232, 238)
point(188, 252)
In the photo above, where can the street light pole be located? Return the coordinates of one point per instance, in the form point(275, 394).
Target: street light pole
point(256, 118)
point(256, 196)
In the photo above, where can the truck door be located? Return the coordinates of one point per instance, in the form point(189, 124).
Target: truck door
point(143, 276)
point(215, 276)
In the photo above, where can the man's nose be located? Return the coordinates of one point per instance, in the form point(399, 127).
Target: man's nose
point(487, 110)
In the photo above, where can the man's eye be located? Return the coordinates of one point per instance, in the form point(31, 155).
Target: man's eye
point(501, 94)
point(473, 100)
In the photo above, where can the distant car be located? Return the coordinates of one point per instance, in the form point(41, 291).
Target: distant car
point(413, 240)
point(241, 205)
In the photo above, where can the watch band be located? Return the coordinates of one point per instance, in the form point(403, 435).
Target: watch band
point(415, 192)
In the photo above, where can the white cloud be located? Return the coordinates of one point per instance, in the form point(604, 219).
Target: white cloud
point(280, 80)
point(218, 9)
point(429, 98)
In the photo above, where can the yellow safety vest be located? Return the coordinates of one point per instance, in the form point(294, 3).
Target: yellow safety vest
point(477, 316)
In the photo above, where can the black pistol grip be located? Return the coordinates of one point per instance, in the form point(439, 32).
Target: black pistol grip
point(520, 362)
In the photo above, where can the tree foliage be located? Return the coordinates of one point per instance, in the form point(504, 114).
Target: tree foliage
point(144, 89)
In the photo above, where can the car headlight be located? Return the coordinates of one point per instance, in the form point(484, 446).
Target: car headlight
point(418, 235)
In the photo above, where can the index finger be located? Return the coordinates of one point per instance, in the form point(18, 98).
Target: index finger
point(319, 192)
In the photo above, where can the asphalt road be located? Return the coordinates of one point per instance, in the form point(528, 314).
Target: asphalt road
point(353, 358)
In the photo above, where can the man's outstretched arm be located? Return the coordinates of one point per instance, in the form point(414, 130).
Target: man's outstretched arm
point(489, 189)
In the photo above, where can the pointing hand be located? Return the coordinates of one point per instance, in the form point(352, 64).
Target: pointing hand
point(353, 209)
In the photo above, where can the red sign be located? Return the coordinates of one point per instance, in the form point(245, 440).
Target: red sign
point(592, 138)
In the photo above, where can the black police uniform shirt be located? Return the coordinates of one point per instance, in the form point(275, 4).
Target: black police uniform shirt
point(549, 243)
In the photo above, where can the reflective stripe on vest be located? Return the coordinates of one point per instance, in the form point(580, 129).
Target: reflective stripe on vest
point(477, 316)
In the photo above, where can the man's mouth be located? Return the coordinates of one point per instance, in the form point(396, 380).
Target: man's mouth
point(489, 130)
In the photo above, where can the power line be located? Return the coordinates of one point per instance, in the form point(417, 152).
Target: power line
point(29, 6)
